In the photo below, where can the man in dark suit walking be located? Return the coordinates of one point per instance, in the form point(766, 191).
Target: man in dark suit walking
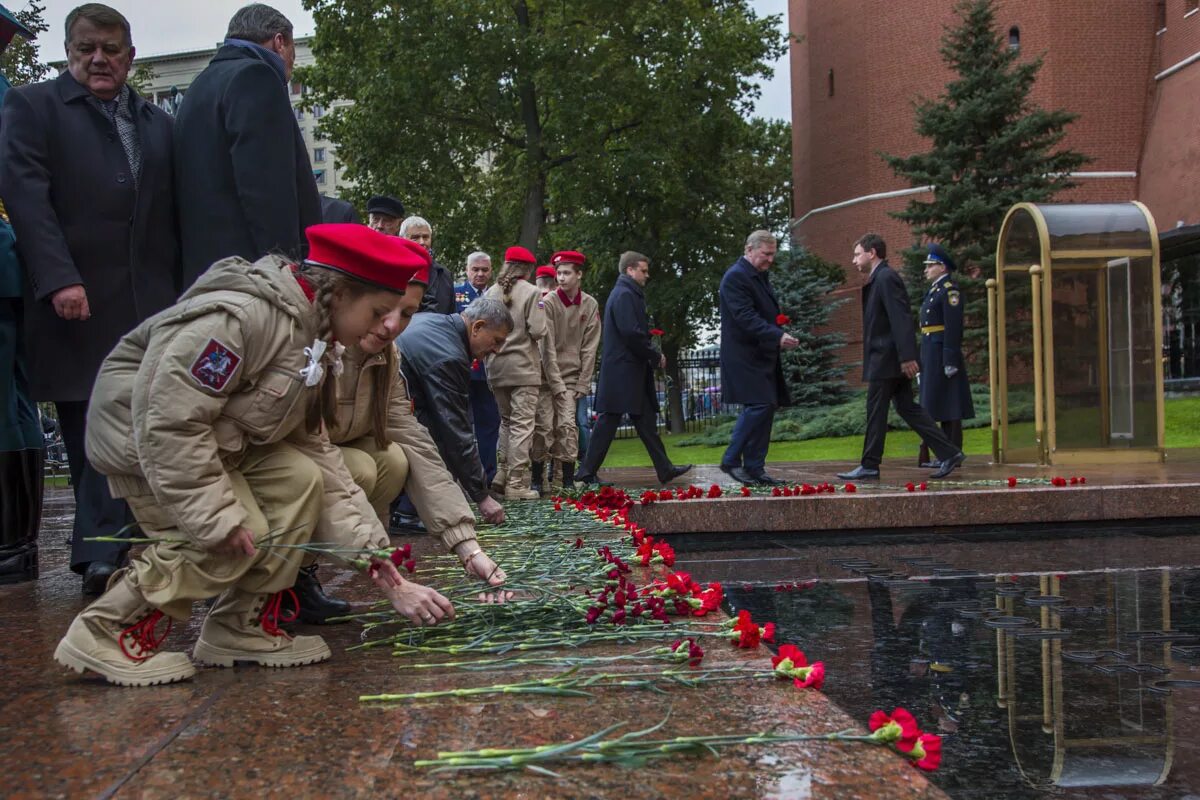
point(243, 176)
point(85, 173)
point(627, 365)
point(751, 372)
point(890, 363)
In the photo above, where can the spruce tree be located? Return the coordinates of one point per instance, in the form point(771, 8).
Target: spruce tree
point(991, 148)
point(802, 282)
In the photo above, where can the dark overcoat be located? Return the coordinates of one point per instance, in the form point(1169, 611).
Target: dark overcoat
point(334, 209)
point(888, 339)
point(751, 370)
point(945, 398)
point(439, 293)
point(244, 180)
point(628, 360)
point(79, 218)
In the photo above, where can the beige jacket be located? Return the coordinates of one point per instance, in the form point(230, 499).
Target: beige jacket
point(552, 380)
point(576, 333)
point(519, 362)
point(439, 501)
point(177, 401)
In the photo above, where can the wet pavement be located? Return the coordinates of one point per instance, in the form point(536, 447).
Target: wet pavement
point(253, 732)
point(1055, 662)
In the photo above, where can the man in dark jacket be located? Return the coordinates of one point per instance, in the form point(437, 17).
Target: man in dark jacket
point(945, 391)
point(244, 181)
point(627, 365)
point(436, 351)
point(85, 173)
point(890, 363)
point(751, 373)
point(439, 294)
point(484, 411)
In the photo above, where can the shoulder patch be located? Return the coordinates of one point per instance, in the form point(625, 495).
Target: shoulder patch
point(215, 365)
point(952, 297)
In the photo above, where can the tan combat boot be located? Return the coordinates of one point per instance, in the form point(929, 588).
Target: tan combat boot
point(501, 478)
point(245, 627)
point(517, 487)
point(116, 637)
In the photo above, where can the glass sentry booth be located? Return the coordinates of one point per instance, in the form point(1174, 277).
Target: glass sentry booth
point(1075, 336)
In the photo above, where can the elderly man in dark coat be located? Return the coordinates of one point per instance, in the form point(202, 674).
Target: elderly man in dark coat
point(627, 365)
point(751, 373)
point(244, 181)
point(85, 173)
point(890, 364)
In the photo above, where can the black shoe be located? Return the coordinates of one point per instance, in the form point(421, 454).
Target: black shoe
point(727, 468)
point(535, 478)
point(404, 523)
point(674, 473)
point(741, 476)
point(860, 473)
point(19, 563)
point(95, 577)
point(316, 607)
point(950, 464)
point(763, 479)
point(568, 474)
point(930, 464)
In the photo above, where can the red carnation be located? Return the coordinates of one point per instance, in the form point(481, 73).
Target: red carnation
point(850, 488)
point(656, 332)
point(714, 491)
point(906, 722)
point(1011, 481)
point(815, 679)
point(912, 487)
point(923, 486)
point(928, 751)
point(745, 491)
point(411, 566)
point(783, 319)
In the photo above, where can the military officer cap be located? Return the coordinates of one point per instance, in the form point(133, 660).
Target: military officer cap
point(938, 255)
point(385, 204)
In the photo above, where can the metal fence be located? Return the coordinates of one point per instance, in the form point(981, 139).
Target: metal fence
point(699, 386)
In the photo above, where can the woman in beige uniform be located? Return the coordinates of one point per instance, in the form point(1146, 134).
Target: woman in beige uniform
point(515, 373)
point(208, 420)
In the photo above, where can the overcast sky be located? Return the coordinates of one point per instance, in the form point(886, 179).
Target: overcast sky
point(167, 26)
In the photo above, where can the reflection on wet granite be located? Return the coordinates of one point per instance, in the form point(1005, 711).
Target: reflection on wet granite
point(1053, 667)
point(251, 732)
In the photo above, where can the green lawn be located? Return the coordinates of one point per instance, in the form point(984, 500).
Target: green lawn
point(1182, 431)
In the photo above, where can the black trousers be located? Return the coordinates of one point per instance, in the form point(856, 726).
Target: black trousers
point(646, 426)
point(97, 513)
point(898, 391)
point(953, 428)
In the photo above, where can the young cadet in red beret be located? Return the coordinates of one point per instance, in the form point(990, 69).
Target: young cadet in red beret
point(208, 419)
point(515, 373)
point(552, 385)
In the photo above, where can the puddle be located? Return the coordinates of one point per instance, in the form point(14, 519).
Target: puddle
point(1059, 664)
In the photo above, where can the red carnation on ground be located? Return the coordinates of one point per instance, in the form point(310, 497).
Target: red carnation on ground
point(1011, 481)
point(714, 491)
point(815, 678)
point(656, 332)
point(910, 486)
point(745, 491)
point(923, 486)
point(783, 319)
point(928, 752)
point(850, 488)
point(905, 722)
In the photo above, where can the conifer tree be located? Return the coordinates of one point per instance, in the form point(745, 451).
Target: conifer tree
point(991, 147)
point(803, 282)
point(20, 63)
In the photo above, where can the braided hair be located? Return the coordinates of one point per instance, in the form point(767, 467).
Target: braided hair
point(512, 272)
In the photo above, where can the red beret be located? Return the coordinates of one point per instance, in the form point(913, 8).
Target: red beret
point(547, 272)
point(569, 257)
point(372, 257)
point(519, 254)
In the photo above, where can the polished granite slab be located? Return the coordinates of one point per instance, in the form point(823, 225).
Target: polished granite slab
point(253, 732)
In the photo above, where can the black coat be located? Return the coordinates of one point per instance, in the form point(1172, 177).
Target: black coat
point(243, 178)
point(751, 371)
point(436, 361)
point(80, 219)
point(888, 339)
point(439, 294)
point(334, 209)
point(945, 398)
point(628, 360)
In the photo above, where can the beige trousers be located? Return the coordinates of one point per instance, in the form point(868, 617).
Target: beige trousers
point(381, 473)
point(281, 490)
point(518, 407)
point(555, 434)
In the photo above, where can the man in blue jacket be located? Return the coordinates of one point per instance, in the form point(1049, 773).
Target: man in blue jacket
point(627, 365)
point(751, 373)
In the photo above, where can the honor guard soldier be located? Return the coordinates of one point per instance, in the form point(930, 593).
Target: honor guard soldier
point(945, 391)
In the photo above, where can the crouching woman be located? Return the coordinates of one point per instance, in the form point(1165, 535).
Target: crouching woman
point(207, 419)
